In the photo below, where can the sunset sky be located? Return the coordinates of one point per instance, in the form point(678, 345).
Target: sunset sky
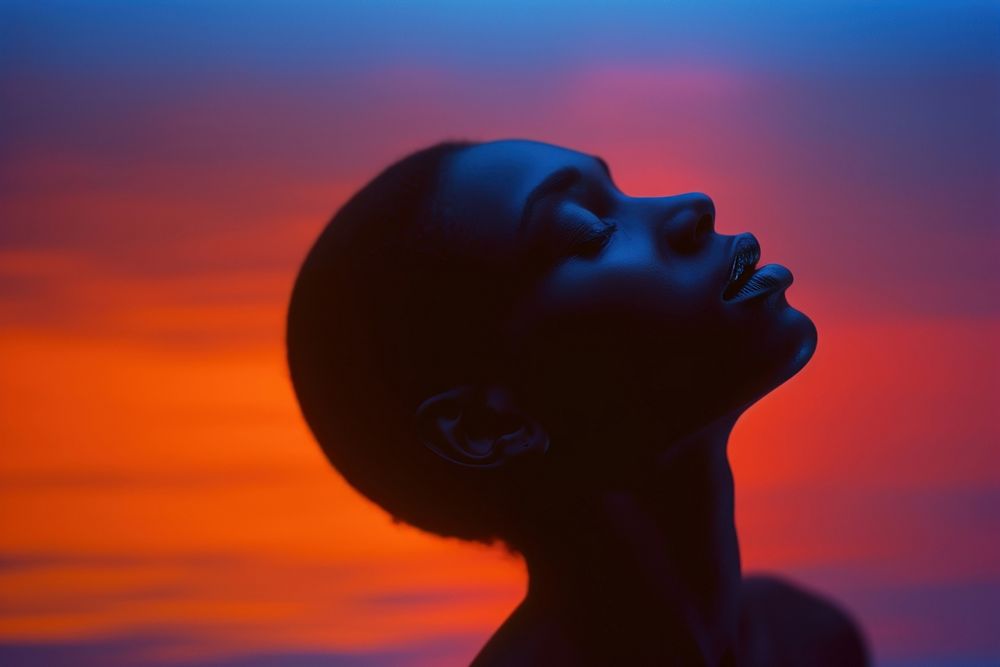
point(165, 166)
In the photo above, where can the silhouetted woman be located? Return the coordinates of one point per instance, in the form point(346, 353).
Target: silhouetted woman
point(492, 342)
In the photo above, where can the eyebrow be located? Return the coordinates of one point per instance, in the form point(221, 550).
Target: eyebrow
point(558, 181)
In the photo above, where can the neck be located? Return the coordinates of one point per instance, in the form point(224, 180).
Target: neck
point(651, 572)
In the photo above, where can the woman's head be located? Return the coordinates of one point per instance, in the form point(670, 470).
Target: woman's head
point(484, 321)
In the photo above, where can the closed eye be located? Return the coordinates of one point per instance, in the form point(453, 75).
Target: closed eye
point(587, 234)
point(568, 227)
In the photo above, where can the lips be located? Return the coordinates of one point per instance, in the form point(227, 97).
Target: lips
point(746, 254)
point(749, 282)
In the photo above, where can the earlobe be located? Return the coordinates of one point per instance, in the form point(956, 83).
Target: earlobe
point(478, 427)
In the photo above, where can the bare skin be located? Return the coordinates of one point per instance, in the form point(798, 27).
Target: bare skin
point(661, 600)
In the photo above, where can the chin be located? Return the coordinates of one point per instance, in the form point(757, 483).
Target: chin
point(803, 340)
point(793, 343)
point(798, 336)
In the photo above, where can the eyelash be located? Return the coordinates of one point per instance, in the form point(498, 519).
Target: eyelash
point(590, 240)
point(587, 237)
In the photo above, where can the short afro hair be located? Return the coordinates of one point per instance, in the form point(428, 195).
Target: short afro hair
point(385, 312)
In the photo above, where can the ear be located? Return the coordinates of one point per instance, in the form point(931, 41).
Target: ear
point(478, 426)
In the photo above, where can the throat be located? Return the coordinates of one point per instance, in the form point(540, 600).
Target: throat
point(654, 567)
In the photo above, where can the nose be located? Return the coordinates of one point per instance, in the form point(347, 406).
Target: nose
point(691, 221)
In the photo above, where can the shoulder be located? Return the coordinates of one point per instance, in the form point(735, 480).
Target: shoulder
point(782, 624)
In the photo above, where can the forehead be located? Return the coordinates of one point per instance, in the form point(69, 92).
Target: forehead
point(486, 185)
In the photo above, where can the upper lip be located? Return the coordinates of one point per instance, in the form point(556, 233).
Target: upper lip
point(746, 254)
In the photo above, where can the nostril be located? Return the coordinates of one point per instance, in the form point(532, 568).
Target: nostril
point(698, 231)
point(704, 226)
point(688, 221)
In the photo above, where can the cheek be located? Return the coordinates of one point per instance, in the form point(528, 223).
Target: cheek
point(588, 328)
point(590, 344)
point(637, 291)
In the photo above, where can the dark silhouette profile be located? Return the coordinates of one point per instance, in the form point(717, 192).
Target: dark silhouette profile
point(493, 342)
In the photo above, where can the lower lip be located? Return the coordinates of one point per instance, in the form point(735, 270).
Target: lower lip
point(767, 279)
